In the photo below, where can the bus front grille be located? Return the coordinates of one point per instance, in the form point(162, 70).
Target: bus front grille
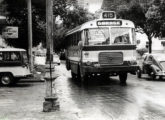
point(111, 58)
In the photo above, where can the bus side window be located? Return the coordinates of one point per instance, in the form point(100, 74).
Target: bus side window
point(75, 39)
point(69, 40)
point(1, 56)
point(78, 37)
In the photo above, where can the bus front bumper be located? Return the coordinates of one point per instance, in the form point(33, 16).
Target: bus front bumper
point(110, 69)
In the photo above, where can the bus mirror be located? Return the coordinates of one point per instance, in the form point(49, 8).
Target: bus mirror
point(80, 44)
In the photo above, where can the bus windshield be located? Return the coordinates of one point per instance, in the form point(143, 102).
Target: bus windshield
point(97, 36)
point(121, 35)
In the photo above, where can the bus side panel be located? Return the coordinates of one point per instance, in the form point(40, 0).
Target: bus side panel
point(73, 59)
point(74, 67)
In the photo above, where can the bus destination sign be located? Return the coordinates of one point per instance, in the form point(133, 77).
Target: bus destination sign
point(107, 15)
point(109, 23)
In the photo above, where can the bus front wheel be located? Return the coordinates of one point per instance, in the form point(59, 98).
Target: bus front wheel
point(73, 75)
point(123, 78)
point(6, 79)
point(82, 77)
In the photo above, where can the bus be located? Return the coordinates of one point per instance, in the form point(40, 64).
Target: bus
point(13, 65)
point(104, 46)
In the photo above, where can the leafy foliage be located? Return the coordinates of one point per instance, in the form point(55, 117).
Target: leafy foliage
point(152, 21)
point(17, 16)
point(71, 16)
point(135, 13)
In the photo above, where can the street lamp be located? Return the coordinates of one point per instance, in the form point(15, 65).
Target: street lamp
point(51, 101)
point(30, 34)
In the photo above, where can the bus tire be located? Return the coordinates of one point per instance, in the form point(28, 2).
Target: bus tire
point(82, 77)
point(67, 65)
point(139, 73)
point(73, 75)
point(123, 78)
point(7, 79)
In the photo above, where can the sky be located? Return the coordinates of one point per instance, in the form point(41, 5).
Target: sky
point(94, 5)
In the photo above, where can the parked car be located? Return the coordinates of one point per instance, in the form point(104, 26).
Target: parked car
point(14, 66)
point(56, 59)
point(153, 65)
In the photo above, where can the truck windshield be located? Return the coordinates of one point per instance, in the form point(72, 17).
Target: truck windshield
point(97, 36)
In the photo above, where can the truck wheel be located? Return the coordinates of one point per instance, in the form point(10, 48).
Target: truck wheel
point(6, 79)
point(139, 73)
point(123, 78)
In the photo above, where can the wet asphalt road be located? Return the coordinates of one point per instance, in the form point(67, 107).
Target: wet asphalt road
point(141, 99)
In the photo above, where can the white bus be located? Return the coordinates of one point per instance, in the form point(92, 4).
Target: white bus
point(104, 46)
point(13, 65)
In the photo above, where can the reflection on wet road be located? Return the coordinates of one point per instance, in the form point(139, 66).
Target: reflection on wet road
point(139, 100)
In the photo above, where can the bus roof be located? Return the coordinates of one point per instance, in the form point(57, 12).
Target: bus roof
point(12, 49)
point(93, 24)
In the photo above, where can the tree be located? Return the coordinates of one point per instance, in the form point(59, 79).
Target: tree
point(17, 16)
point(155, 18)
point(71, 16)
point(150, 21)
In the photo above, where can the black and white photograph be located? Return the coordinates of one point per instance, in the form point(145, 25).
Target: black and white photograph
point(82, 60)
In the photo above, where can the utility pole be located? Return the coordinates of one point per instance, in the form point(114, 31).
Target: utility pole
point(30, 34)
point(51, 101)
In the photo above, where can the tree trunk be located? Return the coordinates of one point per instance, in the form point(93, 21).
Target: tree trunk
point(150, 44)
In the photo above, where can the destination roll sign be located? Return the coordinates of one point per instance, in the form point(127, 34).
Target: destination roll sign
point(109, 23)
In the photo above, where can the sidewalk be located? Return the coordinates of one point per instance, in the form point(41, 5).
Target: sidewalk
point(25, 102)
